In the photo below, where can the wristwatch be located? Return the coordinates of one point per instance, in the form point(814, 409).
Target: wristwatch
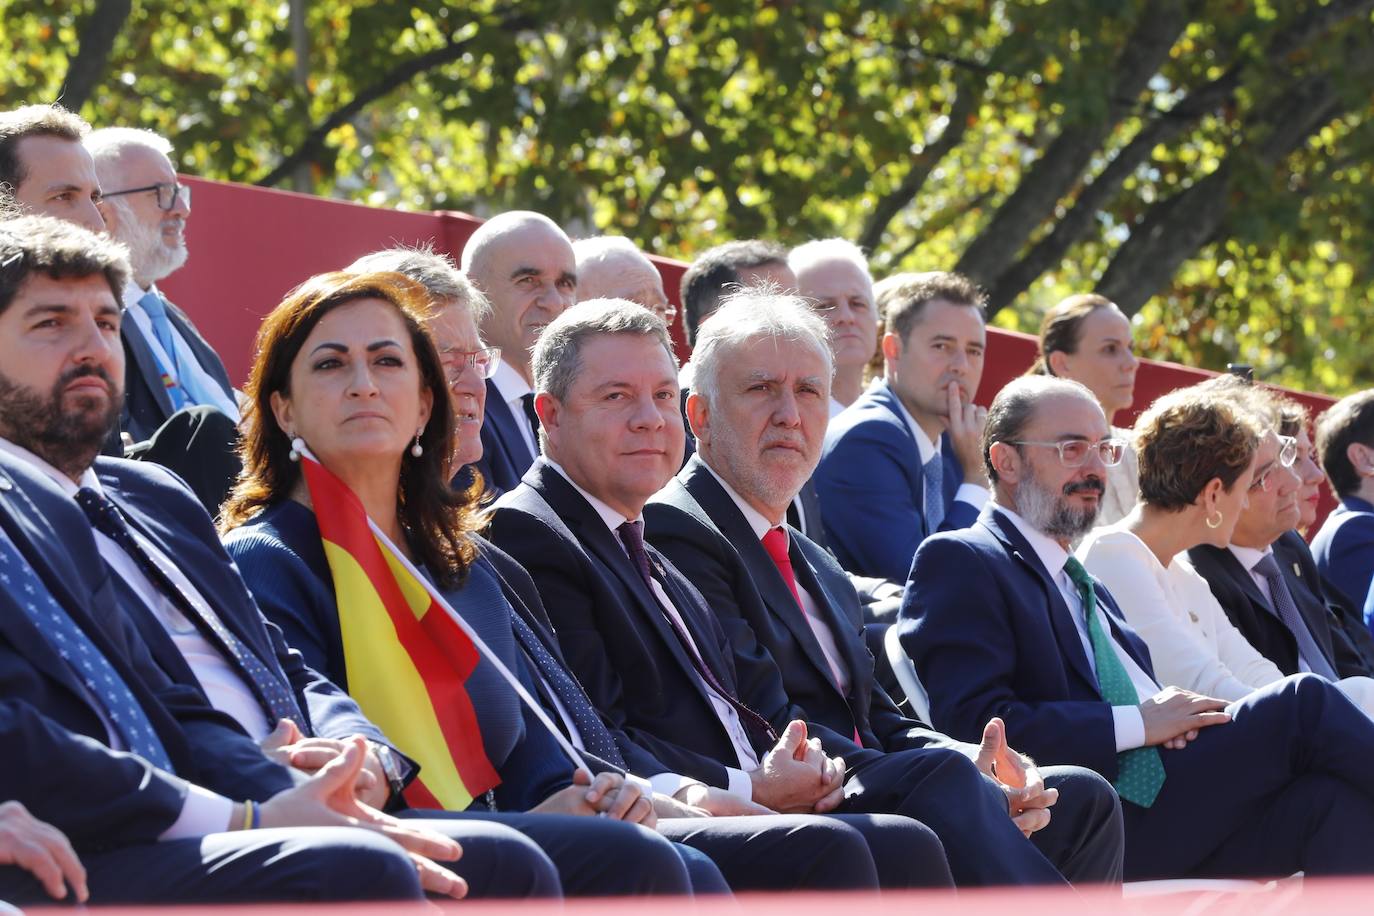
point(391, 766)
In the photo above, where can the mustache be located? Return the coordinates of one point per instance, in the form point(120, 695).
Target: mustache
point(83, 370)
point(1093, 484)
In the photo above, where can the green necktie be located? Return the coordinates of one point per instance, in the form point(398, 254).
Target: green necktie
point(1140, 772)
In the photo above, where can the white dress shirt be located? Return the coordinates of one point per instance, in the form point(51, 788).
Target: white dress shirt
point(185, 356)
point(668, 783)
point(971, 493)
point(204, 811)
point(512, 387)
point(814, 615)
point(1129, 723)
point(836, 408)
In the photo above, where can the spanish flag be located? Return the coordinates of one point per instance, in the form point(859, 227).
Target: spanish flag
point(406, 655)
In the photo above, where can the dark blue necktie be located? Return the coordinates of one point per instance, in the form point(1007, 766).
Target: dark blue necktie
point(270, 687)
point(595, 736)
point(103, 683)
point(1286, 609)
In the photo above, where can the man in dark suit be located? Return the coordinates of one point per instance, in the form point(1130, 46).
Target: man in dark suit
point(1344, 547)
point(1000, 620)
point(651, 656)
point(1270, 592)
point(524, 264)
point(902, 462)
point(759, 412)
point(179, 405)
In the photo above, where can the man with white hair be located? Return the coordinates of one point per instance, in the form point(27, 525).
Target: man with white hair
point(833, 275)
point(180, 408)
point(612, 267)
point(524, 264)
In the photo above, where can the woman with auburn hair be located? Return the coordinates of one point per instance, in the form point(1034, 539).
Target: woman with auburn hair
point(1201, 452)
point(346, 369)
point(1086, 338)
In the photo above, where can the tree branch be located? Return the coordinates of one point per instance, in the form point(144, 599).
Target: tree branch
point(93, 47)
point(393, 79)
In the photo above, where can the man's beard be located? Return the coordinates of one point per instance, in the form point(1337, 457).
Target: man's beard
point(67, 439)
point(1051, 513)
point(153, 258)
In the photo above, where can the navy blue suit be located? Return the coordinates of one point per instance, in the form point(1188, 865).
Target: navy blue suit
point(1344, 550)
point(147, 405)
point(505, 456)
point(872, 487)
point(1282, 787)
point(697, 525)
point(113, 805)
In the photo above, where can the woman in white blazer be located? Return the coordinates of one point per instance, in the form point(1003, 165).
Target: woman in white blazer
point(1200, 452)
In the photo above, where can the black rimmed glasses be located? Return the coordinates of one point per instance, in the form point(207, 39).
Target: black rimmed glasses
point(1074, 452)
point(483, 362)
point(168, 193)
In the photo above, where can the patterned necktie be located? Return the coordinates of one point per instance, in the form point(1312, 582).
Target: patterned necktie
point(632, 536)
point(775, 544)
point(105, 686)
point(595, 736)
point(269, 686)
point(1140, 771)
point(933, 473)
point(1287, 609)
point(172, 377)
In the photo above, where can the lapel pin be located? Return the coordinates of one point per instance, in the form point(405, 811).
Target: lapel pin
point(1296, 571)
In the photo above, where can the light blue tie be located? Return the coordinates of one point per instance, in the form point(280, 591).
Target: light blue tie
point(934, 474)
point(187, 389)
point(103, 683)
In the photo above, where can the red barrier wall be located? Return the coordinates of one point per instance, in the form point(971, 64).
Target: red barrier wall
point(249, 246)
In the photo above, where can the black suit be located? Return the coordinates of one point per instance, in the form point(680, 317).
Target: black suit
point(1350, 638)
point(698, 526)
point(112, 804)
point(617, 640)
point(146, 402)
point(1252, 614)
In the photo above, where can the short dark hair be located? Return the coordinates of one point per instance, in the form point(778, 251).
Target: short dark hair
point(902, 297)
point(60, 249)
point(1349, 420)
point(1012, 409)
point(716, 268)
point(1189, 437)
point(33, 121)
point(1062, 327)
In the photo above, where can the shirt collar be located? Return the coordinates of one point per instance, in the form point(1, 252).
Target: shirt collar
point(133, 292)
point(924, 447)
point(612, 519)
point(1249, 556)
point(88, 477)
point(754, 517)
point(509, 382)
point(1046, 548)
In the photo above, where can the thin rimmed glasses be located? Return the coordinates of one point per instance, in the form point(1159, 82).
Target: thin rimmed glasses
point(1074, 452)
point(483, 362)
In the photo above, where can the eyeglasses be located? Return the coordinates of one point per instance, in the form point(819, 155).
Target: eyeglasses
point(1288, 450)
point(483, 362)
point(667, 313)
point(168, 193)
point(1074, 452)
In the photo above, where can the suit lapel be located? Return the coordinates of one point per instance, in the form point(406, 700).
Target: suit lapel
point(1061, 618)
point(830, 606)
point(146, 364)
point(503, 422)
point(1241, 576)
point(206, 357)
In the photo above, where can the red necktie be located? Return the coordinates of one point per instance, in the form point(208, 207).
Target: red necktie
point(775, 542)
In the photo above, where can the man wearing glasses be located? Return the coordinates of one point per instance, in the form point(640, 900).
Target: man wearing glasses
point(1263, 591)
point(1000, 620)
point(170, 365)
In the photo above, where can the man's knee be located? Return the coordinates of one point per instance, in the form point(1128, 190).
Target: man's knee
point(499, 861)
point(345, 863)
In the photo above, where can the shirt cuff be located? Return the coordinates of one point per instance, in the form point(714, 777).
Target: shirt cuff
point(204, 813)
point(740, 783)
point(972, 494)
point(1130, 727)
point(672, 783)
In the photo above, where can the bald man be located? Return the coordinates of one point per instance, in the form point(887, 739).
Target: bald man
point(613, 267)
point(525, 265)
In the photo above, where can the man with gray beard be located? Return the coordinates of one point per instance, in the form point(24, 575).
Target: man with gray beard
point(1000, 620)
point(179, 405)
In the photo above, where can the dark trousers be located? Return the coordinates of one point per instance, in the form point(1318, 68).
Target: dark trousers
point(299, 864)
point(942, 789)
point(1285, 785)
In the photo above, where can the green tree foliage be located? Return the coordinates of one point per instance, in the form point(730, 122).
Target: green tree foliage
point(1205, 162)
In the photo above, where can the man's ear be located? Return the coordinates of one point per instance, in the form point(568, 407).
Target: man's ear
point(1006, 461)
point(1358, 454)
point(699, 417)
point(549, 411)
point(892, 347)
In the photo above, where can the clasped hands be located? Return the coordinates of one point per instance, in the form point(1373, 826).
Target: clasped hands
point(1028, 801)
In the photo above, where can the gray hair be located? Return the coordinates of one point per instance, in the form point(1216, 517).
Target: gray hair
point(491, 231)
point(557, 357)
point(598, 257)
point(1015, 404)
point(433, 270)
point(821, 251)
point(749, 314)
point(108, 144)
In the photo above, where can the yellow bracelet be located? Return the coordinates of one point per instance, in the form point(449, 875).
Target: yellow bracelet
point(248, 815)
